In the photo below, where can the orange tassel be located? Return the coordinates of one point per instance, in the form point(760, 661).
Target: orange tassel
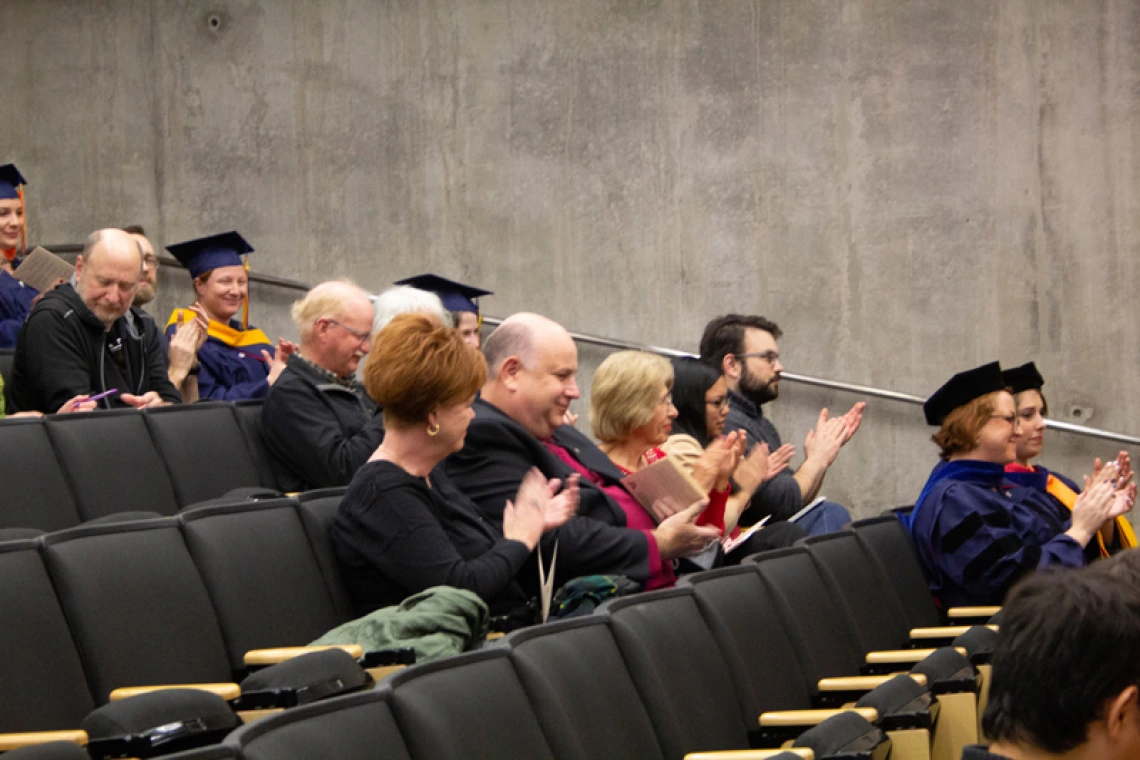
point(245, 302)
point(24, 226)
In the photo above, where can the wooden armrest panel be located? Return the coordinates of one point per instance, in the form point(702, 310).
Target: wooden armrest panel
point(281, 654)
point(226, 691)
point(750, 754)
point(10, 742)
point(863, 683)
point(943, 632)
point(972, 612)
point(383, 670)
point(903, 656)
point(811, 717)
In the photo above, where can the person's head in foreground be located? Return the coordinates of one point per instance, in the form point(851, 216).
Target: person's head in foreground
point(425, 377)
point(335, 323)
point(631, 400)
point(1066, 670)
point(532, 364)
point(977, 417)
point(107, 274)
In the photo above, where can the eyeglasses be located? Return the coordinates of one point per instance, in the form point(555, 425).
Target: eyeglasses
point(769, 356)
point(150, 262)
point(666, 401)
point(360, 335)
point(717, 403)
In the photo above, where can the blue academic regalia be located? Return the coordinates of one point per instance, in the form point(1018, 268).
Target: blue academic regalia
point(231, 367)
point(15, 303)
point(976, 535)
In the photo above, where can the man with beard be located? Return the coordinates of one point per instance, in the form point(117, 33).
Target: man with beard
point(77, 340)
point(318, 424)
point(744, 349)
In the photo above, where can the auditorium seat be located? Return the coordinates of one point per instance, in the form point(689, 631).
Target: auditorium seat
point(111, 463)
point(249, 418)
point(43, 687)
point(318, 508)
point(203, 448)
point(353, 727)
point(577, 682)
point(471, 706)
point(7, 359)
point(137, 607)
point(36, 494)
point(885, 539)
point(261, 574)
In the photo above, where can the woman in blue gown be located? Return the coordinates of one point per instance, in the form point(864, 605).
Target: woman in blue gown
point(974, 539)
point(237, 361)
point(15, 297)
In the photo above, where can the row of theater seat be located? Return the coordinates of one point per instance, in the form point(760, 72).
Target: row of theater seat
point(64, 470)
point(657, 675)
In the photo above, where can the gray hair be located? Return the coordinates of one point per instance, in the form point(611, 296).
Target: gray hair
point(403, 299)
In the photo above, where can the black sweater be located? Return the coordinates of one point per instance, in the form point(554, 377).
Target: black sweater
point(395, 536)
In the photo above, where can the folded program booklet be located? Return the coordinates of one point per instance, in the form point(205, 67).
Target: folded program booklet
point(42, 269)
point(663, 479)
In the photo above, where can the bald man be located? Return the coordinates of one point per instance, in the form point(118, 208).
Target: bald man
point(318, 424)
point(78, 340)
point(532, 365)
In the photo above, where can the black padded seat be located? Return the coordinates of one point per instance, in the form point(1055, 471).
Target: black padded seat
point(49, 751)
point(248, 415)
point(353, 727)
point(204, 450)
point(585, 699)
point(261, 574)
point(7, 359)
point(216, 752)
point(318, 508)
point(137, 607)
point(885, 539)
point(471, 706)
point(36, 493)
point(43, 687)
point(111, 463)
point(679, 671)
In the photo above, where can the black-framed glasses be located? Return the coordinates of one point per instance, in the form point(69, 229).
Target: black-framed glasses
point(360, 335)
point(769, 356)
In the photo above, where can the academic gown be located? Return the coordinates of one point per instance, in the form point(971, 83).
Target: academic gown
point(15, 303)
point(231, 367)
point(975, 539)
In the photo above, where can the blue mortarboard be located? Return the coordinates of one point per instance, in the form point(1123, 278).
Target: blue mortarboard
point(10, 179)
point(455, 295)
point(961, 390)
point(209, 253)
point(1023, 378)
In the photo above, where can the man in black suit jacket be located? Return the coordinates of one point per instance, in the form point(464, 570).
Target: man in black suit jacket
point(532, 363)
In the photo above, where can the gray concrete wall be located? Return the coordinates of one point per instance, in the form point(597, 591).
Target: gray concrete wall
point(909, 188)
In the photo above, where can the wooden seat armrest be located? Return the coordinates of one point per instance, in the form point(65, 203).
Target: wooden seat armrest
point(226, 691)
point(10, 742)
point(942, 632)
point(863, 683)
point(903, 656)
point(955, 613)
point(785, 718)
point(383, 671)
point(750, 754)
point(257, 657)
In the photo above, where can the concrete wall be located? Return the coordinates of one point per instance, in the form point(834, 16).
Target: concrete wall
point(909, 188)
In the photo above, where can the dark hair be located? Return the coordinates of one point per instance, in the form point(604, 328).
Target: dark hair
point(691, 381)
point(134, 229)
point(725, 335)
point(1069, 642)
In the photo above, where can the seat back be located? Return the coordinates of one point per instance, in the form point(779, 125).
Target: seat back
point(36, 494)
point(7, 359)
point(756, 645)
point(353, 727)
point(855, 576)
point(577, 681)
point(679, 672)
point(248, 415)
point(318, 508)
point(111, 463)
point(261, 574)
point(136, 605)
point(470, 706)
point(43, 687)
point(887, 541)
point(203, 448)
point(818, 621)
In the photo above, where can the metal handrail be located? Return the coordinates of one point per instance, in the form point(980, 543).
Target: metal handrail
point(622, 345)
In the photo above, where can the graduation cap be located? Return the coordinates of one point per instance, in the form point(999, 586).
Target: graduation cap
point(961, 389)
point(1023, 378)
point(210, 253)
point(10, 181)
point(455, 295)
